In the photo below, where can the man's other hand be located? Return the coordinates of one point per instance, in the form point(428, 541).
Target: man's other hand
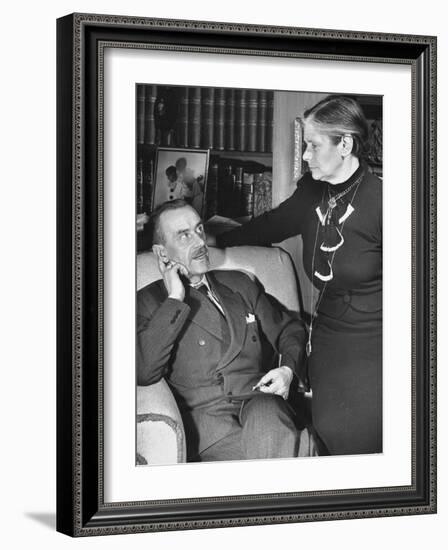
point(276, 381)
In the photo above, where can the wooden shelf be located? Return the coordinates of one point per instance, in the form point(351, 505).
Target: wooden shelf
point(225, 153)
point(241, 154)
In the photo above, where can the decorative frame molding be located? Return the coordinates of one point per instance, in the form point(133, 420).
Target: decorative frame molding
point(81, 41)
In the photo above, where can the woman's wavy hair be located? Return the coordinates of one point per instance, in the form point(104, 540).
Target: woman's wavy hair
point(338, 115)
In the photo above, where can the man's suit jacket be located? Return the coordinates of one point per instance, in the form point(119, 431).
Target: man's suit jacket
point(206, 364)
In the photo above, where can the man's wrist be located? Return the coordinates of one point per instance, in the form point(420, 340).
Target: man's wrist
point(302, 385)
point(289, 371)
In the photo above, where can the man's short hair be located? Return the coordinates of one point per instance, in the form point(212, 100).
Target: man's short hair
point(158, 236)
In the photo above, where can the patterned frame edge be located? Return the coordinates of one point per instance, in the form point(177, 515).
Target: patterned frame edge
point(81, 510)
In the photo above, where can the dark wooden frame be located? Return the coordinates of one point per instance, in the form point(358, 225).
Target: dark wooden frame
point(81, 509)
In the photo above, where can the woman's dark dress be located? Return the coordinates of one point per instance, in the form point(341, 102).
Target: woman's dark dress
point(345, 366)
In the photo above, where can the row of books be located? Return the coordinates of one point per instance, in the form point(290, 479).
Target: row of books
point(238, 189)
point(144, 188)
point(376, 142)
point(209, 118)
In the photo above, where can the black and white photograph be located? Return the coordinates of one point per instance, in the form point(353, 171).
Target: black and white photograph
point(180, 174)
point(259, 315)
point(246, 292)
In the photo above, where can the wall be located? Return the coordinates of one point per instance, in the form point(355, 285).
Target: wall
point(287, 107)
point(27, 224)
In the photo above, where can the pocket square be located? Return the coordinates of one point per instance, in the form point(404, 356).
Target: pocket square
point(250, 318)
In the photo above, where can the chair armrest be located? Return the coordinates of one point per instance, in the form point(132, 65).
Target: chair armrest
point(160, 430)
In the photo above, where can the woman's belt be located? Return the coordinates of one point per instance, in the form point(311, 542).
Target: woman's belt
point(336, 304)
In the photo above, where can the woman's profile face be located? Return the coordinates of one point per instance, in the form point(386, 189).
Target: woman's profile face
point(324, 158)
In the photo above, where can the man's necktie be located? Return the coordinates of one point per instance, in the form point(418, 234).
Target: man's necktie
point(203, 289)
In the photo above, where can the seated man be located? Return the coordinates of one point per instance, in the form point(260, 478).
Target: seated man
point(202, 332)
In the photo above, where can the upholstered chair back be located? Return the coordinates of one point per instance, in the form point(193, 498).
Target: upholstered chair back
point(271, 266)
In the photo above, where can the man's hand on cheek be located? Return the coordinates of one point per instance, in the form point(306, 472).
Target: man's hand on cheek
point(171, 272)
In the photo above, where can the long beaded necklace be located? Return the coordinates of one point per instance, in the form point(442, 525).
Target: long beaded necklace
point(332, 201)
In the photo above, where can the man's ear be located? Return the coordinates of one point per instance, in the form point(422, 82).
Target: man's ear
point(347, 145)
point(160, 251)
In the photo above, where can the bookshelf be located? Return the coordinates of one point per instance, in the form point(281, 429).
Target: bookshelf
point(235, 125)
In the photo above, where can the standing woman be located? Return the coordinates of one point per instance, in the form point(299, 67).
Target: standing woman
point(337, 208)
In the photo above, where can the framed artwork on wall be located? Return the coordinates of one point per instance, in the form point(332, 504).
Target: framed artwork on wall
point(181, 174)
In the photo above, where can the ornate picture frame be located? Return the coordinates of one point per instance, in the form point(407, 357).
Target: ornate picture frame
point(82, 509)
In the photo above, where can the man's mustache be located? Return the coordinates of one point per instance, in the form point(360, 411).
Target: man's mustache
point(200, 252)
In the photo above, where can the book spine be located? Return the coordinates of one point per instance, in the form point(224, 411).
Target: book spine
point(376, 142)
point(252, 115)
point(261, 123)
point(233, 204)
point(212, 190)
point(268, 192)
point(238, 191)
point(194, 98)
point(148, 186)
point(220, 115)
point(241, 120)
point(248, 194)
point(140, 201)
point(208, 112)
point(225, 190)
point(269, 122)
point(259, 194)
point(262, 193)
point(183, 118)
point(140, 114)
point(150, 124)
point(230, 120)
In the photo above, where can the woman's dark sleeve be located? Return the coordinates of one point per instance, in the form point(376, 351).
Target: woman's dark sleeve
point(272, 227)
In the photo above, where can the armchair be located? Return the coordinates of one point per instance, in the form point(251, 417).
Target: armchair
point(160, 432)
